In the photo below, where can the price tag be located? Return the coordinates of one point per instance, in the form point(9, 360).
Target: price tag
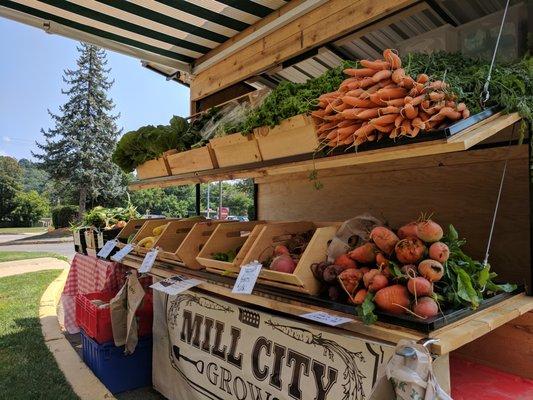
point(77, 238)
point(148, 261)
point(107, 248)
point(325, 318)
point(100, 240)
point(175, 285)
point(119, 255)
point(247, 277)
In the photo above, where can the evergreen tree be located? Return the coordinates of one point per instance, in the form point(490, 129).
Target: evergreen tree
point(78, 149)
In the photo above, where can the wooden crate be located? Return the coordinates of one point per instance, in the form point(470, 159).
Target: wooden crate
point(225, 237)
point(235, 149)
point(155, 168)
point(147, 230)
point(172, 237)
point(294, 136)
point(131, 228)
point(194, 242)
point(302, 279)
point(193, 160)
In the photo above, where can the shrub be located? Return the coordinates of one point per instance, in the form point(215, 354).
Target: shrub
point(63, 216)
point(29, 208)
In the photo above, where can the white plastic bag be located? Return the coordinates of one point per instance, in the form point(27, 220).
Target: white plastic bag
point(408, 378)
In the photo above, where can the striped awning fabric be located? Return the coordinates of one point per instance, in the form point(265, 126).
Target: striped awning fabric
point(172, 33)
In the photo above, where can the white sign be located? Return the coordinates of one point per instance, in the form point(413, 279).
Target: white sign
point(119, 255)
point(148, 261)
point(247, 277)
point(100, 240)
point(175, 285)
point(107, 248)
point(208, 348)
point(325, 318)
point(77, 238)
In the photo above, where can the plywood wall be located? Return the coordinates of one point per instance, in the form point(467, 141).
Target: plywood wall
point(459, 188)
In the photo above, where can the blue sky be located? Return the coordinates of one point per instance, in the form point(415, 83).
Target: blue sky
point(31, 67)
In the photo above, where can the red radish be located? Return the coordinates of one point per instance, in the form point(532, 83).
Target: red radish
point(384, 238)
point(364, 270)
point(350, 279)
point(392, 298)
point(439, 251)
point(378, 281)
point(410, 250)
point(409, 270)
point(431, 270)
point(408, 230)
point(419, 286)
point(426, 307)
point(283, 263)
point(345, 261)
point(429, 231)
point(281, 249)
point(364, 254)
point(367, 277)
point(359, 296)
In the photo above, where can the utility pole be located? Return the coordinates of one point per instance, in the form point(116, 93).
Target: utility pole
point(219, 200)
point(208, 199)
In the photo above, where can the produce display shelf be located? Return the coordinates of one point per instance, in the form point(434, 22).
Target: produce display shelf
point(460, 141)
point(451, 336)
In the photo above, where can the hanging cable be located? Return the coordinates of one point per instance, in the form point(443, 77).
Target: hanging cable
point(485, 94)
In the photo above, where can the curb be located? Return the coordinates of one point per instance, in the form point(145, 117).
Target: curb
point(84, 383)
point(22, 242)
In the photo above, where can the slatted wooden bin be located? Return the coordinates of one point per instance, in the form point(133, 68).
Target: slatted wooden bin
point(235, 149)
point(279, 233)
point(226, 237)
point(172, 237)
point(195, 240)
point(147, 230)
point(293, 136)
point(130, 230)
point(155, 168)
point(193, 160)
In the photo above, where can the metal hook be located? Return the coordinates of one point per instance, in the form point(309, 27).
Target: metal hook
point(409, 352)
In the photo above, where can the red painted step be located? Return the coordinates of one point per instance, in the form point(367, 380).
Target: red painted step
point(472, 381)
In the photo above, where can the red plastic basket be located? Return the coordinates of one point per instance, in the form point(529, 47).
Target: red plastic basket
point(96, 322)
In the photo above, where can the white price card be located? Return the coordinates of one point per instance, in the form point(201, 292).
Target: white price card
point(107, 248)
point(148, 261)
point(325, 318)
point(77, 238)
point(100, 240)
point(119, 255)
point(247, 277)
point(175, 285)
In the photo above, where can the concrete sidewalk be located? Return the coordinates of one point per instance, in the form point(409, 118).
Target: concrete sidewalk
point(8, 268)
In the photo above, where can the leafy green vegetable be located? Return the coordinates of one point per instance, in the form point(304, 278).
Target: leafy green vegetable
point(289, 99)
point(366, 310)
point(149, 142)
point(102, 218)
point(466, 282)
point(228, 256)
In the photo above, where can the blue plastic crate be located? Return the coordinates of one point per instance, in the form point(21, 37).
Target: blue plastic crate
point(115, 370)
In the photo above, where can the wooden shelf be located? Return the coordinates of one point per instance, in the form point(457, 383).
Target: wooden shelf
point(450, 337)
point(460, 142)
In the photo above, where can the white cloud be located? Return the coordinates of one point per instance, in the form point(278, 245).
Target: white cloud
point(3, 153)
point(6, 139)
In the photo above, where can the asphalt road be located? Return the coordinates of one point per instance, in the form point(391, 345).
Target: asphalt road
point(65, 248)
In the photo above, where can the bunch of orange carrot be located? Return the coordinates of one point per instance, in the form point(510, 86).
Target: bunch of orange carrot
point(381, 100)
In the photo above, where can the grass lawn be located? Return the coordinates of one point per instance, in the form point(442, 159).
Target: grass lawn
point(26, 255)
point(14, 231)
point(27, 368)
